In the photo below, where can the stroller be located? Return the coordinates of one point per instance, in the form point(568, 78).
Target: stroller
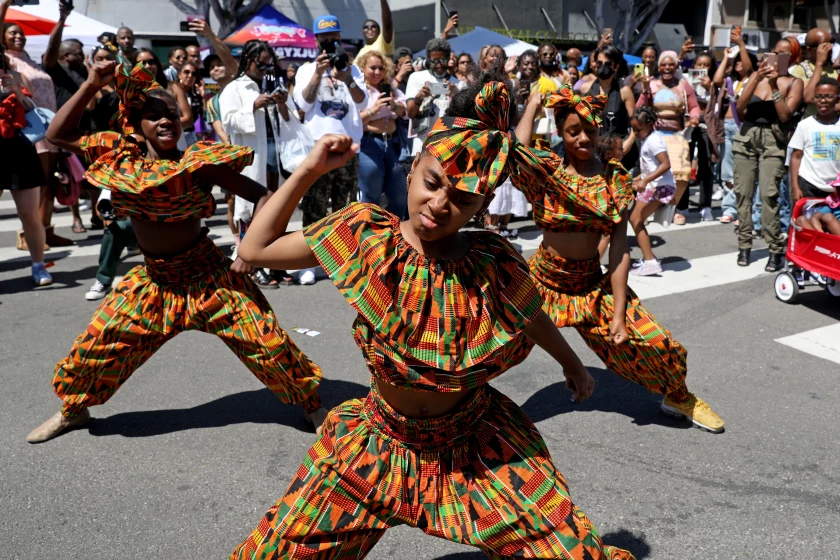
point(808, 251)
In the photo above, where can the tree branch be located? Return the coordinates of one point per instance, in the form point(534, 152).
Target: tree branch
point(654, 12)
point(184, 7)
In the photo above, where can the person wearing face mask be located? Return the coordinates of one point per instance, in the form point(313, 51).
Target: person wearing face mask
point(424, 107)
point(620, 100)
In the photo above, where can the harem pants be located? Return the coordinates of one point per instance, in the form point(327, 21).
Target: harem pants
point(481, 476)
point(577, 294)
point(155, 302)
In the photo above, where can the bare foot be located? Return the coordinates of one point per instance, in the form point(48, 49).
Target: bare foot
point(316, 419)
point(57, 424)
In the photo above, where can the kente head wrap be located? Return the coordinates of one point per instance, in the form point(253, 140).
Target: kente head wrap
point(589, 108)
point(479, 154)
point(132, 86)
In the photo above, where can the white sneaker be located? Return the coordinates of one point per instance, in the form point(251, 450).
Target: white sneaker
point(97, 291)
point(307, 277)
point(647, 268)
point(718, 194)
point(131, 252)
point(706, 215)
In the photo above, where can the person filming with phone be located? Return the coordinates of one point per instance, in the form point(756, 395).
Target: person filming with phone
point(429, 91)
point(815, 66)
point(766, 108)
point(332, 94)
point(379, 167)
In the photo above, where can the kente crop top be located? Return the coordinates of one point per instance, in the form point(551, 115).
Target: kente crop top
point(156, 190)
point(423, 323)
point(570, 203)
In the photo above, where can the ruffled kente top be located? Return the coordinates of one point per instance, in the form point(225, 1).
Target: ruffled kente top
point(423, 323)
point(157, 190)
point(569, 203)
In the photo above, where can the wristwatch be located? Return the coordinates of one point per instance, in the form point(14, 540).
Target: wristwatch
point(352, 84)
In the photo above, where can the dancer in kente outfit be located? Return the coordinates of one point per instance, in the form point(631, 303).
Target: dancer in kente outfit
point(186, 282)
point(433, 446)
point(581, 202)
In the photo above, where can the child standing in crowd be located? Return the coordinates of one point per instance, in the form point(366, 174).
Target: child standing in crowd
point(815, 161)
point(655, 186)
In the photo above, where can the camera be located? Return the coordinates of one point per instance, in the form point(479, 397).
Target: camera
point(336, 55)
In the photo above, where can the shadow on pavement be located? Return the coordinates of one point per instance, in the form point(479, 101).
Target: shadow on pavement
point(622, 538)
point(258, 407)
point(612, 394)
point(817, 298)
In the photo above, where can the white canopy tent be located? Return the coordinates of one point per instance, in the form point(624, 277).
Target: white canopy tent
point(472, 41)
point(78, 27)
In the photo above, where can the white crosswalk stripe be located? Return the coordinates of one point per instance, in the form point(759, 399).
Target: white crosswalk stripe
point(823, 342)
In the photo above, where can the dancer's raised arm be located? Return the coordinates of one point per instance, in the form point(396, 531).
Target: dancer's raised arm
point(267, 243)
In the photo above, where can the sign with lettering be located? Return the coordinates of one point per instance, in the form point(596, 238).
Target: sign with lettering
point(539, 35)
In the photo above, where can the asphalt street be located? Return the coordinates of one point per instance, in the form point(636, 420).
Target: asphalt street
point(184, 460)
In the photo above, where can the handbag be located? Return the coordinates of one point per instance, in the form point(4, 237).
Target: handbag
point(295, 142)
point(37, 121)
point(70, 173)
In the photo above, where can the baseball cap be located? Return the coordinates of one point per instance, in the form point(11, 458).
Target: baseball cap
point(326, 24)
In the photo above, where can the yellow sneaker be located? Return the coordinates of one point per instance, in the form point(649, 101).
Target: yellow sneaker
point(697, 410)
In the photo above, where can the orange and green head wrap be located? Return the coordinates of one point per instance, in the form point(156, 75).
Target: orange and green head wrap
point(132, 86)
point(474, 153)
point(588, 108)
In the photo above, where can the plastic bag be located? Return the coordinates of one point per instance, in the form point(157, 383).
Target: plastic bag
point(295, 142)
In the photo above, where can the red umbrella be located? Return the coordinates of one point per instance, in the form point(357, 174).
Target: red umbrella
point(31, 25)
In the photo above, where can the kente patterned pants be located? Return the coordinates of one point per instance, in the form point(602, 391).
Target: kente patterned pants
point(155, 302)
point(481, 476)
point(577, 294)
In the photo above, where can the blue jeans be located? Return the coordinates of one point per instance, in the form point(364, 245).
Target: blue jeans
point(727, 173)
point(381, 171)
point(785, 205)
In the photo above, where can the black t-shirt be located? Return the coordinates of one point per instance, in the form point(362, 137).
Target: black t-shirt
point(66, 81)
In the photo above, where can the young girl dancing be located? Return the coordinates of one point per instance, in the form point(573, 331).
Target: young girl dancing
point(584, 200)
point(186, 282)
point(433, 446)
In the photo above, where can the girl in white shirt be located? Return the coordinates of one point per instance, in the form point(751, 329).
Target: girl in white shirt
point(655, 186)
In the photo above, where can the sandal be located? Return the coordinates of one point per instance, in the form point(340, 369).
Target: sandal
point(282, 277)
point(78, 227)
point(263, 281)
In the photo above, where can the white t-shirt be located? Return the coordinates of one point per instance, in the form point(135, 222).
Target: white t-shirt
point(334, 111)
point(820, 145)
point(651, 147)
point(416, 81)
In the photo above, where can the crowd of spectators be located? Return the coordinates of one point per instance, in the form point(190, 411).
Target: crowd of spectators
point(755, 134)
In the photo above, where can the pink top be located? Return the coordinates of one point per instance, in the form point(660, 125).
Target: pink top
point(384, 112)
point(670, 104)
point(43, 90)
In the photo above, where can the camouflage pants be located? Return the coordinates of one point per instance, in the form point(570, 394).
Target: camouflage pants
point(340, 186)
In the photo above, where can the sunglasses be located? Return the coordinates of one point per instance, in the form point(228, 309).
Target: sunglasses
point(439, 61)
point(188, 73)
point(262, 67)
point(370, 27)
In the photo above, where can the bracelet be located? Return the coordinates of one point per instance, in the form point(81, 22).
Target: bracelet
point(777, 96)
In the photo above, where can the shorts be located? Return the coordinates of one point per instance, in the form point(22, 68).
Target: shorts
point(660, 193)
point(20, 165)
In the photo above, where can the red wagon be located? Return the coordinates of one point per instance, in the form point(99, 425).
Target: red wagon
point(808, 251)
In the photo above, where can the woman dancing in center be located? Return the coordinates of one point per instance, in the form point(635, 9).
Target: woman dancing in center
point(584, 200)
point(433, 446)
point(186, 283)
